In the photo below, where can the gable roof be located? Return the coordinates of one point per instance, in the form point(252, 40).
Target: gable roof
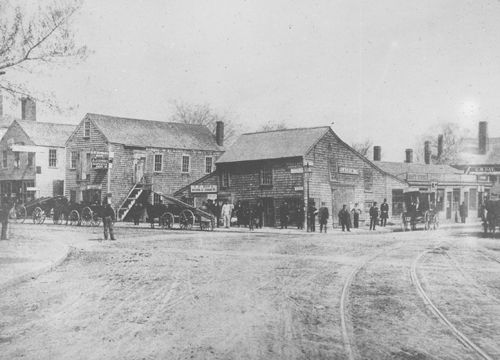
point(159, 134)
point(400, 168)
point(273, 144)
point(46, 134)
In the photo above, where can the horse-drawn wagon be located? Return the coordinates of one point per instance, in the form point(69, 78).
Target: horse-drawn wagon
point(491, 216)
point(419, 209)
point(172, 211)
point(39, 209)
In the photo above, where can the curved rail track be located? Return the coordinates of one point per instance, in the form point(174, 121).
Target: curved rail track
point(428, 302)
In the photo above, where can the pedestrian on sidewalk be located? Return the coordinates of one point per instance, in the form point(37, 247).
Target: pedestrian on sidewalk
point(323, 216)
point(373, 216)
point(284, 213)
point(226, 213)
point(107, 220)
point(345, 218)
point(312, 216)
point(384, 213)
point(356, 211)
point(463, 212)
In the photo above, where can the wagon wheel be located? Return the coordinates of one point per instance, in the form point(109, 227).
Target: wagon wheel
point(435, 221)
point(96, 219)
point(18, 214)
point(186, 219)
point(38, 216)
point(74, 218)
point(207, 225)
point(86, 216)
point(167, 220)
point(404, 223)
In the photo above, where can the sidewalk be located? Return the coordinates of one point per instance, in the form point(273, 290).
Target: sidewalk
point(22, 259)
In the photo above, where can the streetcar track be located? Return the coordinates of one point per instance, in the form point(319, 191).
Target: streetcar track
point(468, 343)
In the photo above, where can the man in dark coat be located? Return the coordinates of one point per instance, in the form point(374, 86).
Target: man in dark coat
point(323, 216)
point(463, 212)
point(5, 209)
point(345, 218)
point(284, 212)
point(384, 213)
point(136, 212)
point(312, 216)
point(107, 220)
point(373, 216)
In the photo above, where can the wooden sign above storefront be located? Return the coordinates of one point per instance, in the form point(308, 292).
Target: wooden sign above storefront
point(348, 171)
point(417, 177)
point(483, 170)
point(203, 188)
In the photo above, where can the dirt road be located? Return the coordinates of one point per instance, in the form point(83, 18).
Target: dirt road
point(196, 295)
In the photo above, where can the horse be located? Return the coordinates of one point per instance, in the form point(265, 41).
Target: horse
point(155, 212)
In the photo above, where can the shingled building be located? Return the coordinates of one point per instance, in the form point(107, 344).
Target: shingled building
point(119, 158)
point(278, 166)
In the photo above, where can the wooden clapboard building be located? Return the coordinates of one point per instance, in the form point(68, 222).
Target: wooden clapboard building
point(33, 159)
point(269, 167)
point(120, 158)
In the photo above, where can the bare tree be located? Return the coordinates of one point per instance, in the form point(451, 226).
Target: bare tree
point(204, 114)
point(363, 147)
point(453, 143)
point(272, 126)
point(35, 38)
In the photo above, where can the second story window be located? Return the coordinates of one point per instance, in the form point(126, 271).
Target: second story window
point(208, 164)
point(31, 157)
point(158, 162)
point(4, 159)
point(52, 158)
point(185, 164)
point(73, 160)
point(17, 160)
point(225, 177)
point(86, 129)
point(266, 174)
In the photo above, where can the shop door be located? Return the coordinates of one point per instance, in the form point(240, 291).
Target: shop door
point(139, 169)
point(342, 196)
point(466, 199)
point(448, 205)
point(268, 204)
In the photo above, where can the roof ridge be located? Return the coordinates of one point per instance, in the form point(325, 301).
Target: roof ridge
point(43, 122)
point(283, 130)
point(155, 121)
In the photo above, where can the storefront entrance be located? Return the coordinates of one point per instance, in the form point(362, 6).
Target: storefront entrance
point(342, 195)
point(268, 204)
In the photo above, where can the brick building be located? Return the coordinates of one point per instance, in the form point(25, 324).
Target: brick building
point(119, 158)
point(268, 167)
point(33, 159)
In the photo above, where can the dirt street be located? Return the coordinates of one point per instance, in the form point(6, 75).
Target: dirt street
point(157, 294)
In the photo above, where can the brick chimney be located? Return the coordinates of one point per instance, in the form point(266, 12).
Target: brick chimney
point(377, 153)
point(28, 109)
point(427, 152)
point(219, 133)
point(440, 145)
point(409, 155)
point(483, 137)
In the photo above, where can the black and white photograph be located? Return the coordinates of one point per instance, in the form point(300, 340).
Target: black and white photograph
point(249, 179)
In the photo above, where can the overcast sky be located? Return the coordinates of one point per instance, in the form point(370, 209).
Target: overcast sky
point(380, 70)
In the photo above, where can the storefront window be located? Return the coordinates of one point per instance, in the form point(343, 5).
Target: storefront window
point(397, 202)
point(225, 178)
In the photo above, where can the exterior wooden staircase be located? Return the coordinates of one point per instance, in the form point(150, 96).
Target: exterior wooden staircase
point(130, 200)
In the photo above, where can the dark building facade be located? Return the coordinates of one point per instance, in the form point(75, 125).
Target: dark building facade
point(294, 166)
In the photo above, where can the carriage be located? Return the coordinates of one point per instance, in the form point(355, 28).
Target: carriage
point(60, 210)
point(39, 209)
point(172, 211)
point(491, 216)
point(420, 208)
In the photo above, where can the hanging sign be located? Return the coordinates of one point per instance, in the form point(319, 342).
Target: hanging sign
point(99, 159)
point(203, 188)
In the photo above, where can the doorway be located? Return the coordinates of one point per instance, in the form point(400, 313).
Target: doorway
point(342, 196)
point(139, 165)
point(448, 205)
point(268, 205)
